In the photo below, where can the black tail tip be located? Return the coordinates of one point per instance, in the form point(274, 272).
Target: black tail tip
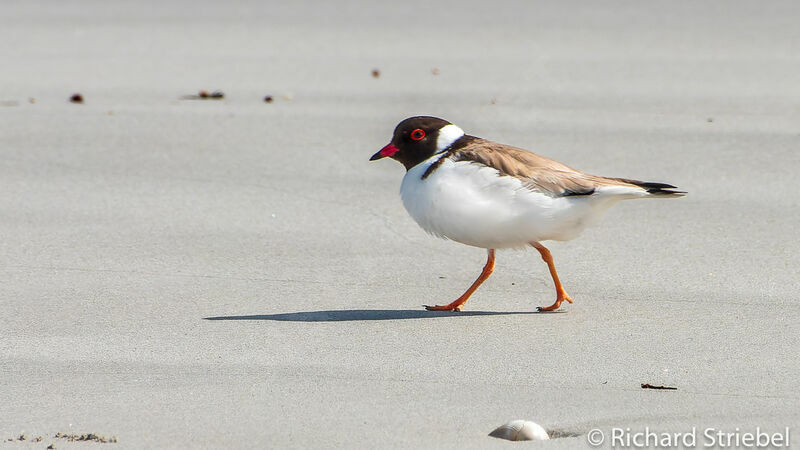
point(660, 189)
point(666, 192)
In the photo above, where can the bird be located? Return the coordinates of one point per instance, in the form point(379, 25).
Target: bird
point(495, 196)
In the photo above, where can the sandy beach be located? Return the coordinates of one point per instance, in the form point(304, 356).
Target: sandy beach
point(232, 273)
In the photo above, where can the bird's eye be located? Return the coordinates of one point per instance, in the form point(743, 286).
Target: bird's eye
point(417, 134)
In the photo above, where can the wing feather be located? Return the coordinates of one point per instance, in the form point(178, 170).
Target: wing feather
point(535, 171)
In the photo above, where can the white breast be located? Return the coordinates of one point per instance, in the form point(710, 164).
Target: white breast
point(470, 203)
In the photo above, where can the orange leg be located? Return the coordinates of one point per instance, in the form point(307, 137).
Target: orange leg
point(561, 294)
point(459, 302)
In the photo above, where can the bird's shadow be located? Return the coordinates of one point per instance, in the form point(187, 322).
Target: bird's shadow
point(347, 315)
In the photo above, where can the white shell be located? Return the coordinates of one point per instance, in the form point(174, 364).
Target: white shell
point(521, 430)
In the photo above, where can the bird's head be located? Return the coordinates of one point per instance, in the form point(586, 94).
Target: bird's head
point(418, 138)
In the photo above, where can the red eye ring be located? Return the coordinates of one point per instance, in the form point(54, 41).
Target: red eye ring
point(418, 134)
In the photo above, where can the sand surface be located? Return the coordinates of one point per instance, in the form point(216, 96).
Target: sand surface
point(130, 220)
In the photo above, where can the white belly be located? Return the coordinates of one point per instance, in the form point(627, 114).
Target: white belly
point(470, 203)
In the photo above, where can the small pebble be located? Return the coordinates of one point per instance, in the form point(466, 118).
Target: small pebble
point(269, 99)
point(76, 98)
point(376, 73)
point(205, 95)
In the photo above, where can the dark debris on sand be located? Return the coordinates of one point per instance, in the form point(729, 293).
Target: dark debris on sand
point(87, 437)
point(650, 386)
point(205, 95)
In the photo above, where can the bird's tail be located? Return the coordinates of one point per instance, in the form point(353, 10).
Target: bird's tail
point(655, 189)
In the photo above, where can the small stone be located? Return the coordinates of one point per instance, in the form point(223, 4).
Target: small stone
point(51, 447)
point(268, 99)
point(376, 73)
point(205, 95)
point(76, 98)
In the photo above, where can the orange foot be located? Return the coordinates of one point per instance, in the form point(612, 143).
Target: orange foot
point(459, 302)
point(449, 307)
point(557, 304)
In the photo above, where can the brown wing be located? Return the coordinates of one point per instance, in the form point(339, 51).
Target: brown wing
point(536, 172)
